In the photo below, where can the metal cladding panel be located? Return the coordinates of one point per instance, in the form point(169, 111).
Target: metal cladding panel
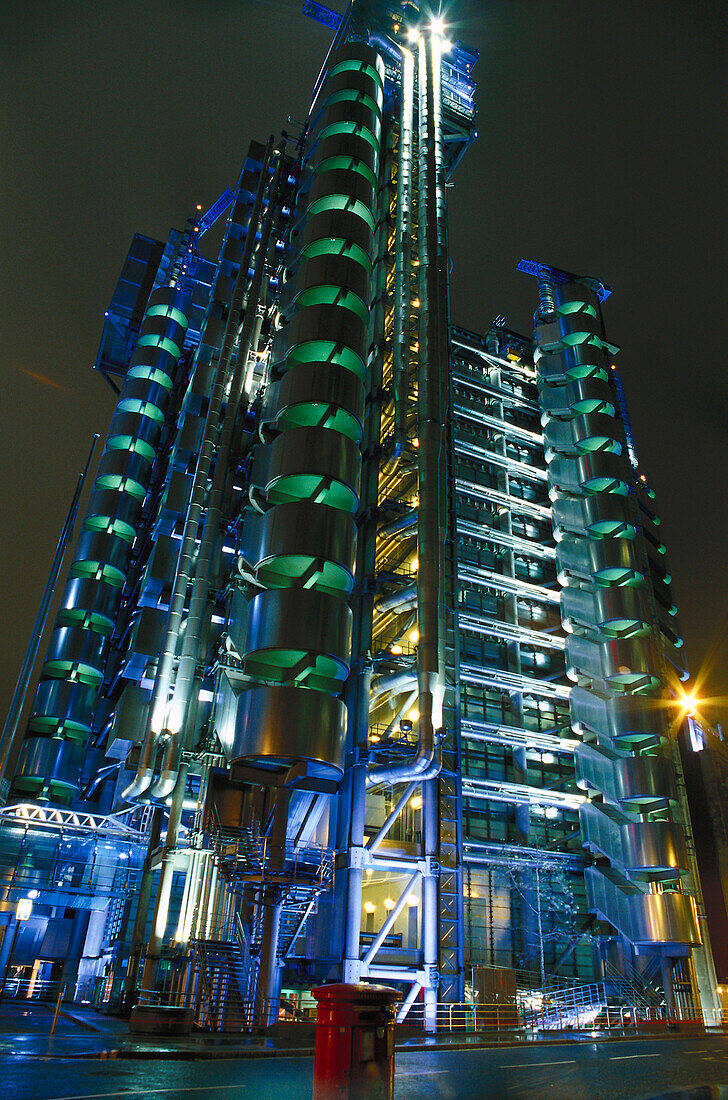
point(346, 182)
point(620, 661)
point(77, 644)
point(350, 111)
point(606, 513)
point(328, 323)
point(616, 612)
point(46, 759)
point(641, 847)
point(58, 703)
point(333, 270)
point(339, 224)
point(581, 361)
point(580, 396)
point(353, 145)
point(594, 473)
point(305, 529)
point(105, 547)
point(321, 384)
point(588, 559)
point(615, 717)
point(316, 452)
point(645, 778)
point(583, 434)
point(281, 725)
point(299, 619)
point(644, 918)
point(82, 595)
point(637, 780)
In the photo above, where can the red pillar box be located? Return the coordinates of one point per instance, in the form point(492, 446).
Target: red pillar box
point(354, 1042)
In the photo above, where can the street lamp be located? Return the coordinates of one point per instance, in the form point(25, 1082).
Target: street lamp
point(22, 913)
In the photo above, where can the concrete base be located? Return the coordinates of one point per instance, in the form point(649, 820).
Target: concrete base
point(160, 1020)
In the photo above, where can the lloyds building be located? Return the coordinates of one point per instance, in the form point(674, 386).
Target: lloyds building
point(364, 659)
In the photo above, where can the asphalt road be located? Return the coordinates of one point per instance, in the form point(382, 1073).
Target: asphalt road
point(579, 1071)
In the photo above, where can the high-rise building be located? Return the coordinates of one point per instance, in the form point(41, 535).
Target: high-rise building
point(363, 665)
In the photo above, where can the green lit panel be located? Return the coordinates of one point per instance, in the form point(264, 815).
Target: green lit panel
point(143, 408)
point(576, 307)
point(339, 128)
point(52, 726)
point(132, 444)
point(151, 374)
point(98, 571)
point(121, 484)
point(317, 414)
point(161, 310)
point(638, 682)
point(587, 370)
point(624, 628)
point(108, 525)
point(154, 340)
point(305, 571)
point(602, 443)
point(574, 339)
point(351, 95)
point(342, 202)
point(338, 246)
point(612, 485)
point(355, 67)
point(618, 577)
point(296, 666)
point(86, 620)
point(329, 491)
point(346, 164)
point(332, 296)
point(611, 528)
point(76, 672)
point(326, 351)
point(592, 405)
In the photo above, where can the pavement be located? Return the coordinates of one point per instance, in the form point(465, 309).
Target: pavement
point(85, 1033)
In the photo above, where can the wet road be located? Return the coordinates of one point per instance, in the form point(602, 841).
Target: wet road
point(634, 1070)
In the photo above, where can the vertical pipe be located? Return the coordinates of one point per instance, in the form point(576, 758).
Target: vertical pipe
point(166, 875)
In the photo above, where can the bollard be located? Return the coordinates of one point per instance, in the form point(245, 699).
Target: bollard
point(354, 1042)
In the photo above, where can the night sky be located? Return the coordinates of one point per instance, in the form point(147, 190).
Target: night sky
point(602, 150)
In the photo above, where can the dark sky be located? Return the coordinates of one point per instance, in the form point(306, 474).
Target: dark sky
point(602, 150)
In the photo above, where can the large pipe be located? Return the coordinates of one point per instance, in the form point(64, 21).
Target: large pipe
point(402, 270)
point(185, 677)
point(10, 728)
point(157, 720)
point(432, 403)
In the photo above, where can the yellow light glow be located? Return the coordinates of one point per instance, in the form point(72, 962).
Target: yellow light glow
point(415, 442)
point(388, 903)
point(395, 649)
point(413, 714)
point(689, 704)
point(437, 26)
point(414, 635)
point(415, 564)
point(416, 802)
point(375, 737)
point(412, 900)
point(413, 34)
point(368, 907)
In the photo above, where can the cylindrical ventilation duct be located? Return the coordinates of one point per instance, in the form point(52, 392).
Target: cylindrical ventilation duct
point(50, 759)
point(307, 469)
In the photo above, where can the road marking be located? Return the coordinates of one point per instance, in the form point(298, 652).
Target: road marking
point(527, 1065)
point(624, 1057)
point(424, 1073)
point(149, 1092)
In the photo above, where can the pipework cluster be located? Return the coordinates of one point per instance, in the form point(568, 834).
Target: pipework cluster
point(612, 646)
